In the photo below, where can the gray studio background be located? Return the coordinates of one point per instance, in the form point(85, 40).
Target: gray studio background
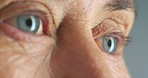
point(136, 54)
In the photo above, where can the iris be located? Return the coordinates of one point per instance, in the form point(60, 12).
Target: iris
point(28, 23)
point(110, 44)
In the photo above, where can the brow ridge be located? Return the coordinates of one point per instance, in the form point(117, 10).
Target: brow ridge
point(120, 5)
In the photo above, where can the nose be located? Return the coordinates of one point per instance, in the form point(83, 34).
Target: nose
point(77, 55)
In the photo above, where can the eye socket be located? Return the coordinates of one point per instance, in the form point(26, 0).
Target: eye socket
point(28, 23)
point(110, 44)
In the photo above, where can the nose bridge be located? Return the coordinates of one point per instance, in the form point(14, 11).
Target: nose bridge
point(75, 34)
point(79, 56)
point(74, 44)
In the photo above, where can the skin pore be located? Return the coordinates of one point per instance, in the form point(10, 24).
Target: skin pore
point(68, 42)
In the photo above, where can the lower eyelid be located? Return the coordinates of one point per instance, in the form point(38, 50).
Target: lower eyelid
point(12, 32)
point(15, 34)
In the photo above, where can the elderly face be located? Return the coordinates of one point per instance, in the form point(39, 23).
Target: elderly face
point(64, 38)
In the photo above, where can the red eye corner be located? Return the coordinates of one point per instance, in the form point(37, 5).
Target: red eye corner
point(26, 24)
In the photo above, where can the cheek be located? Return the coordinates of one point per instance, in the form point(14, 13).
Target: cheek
point(22, 55)
point(26, 46)
point(80, 65)
point(113, 67)
point(16, 41)
point(77, 56)
point(22, 58)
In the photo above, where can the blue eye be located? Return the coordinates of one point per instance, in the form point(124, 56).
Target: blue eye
point(110, 44)
point(28, 23)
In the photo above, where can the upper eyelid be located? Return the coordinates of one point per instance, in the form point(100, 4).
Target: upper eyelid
point(15, 10)
point(33, 12)
point(107, 26)
point(30, 8)
point(109, 31)
point(113, 34)
point(121, 38)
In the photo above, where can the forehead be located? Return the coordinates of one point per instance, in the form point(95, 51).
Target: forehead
point(79, 8)
point(112, 4)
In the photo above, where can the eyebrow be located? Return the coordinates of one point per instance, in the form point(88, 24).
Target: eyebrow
point(120, 5)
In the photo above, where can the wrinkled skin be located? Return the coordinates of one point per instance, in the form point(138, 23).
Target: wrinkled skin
point(68, 49)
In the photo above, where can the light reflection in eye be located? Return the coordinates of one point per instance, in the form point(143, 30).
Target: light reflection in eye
point(110, 44)
point(28, 23)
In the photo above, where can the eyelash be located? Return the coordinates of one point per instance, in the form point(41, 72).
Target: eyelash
point(104, 29)
point(122, 38)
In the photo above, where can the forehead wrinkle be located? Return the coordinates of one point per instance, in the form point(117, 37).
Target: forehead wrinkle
point(120, 5)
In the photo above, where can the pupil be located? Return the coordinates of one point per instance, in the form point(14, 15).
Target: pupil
point(29, 22)
point(109, 43)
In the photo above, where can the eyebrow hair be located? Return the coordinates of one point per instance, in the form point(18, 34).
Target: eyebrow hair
point(120, 5)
